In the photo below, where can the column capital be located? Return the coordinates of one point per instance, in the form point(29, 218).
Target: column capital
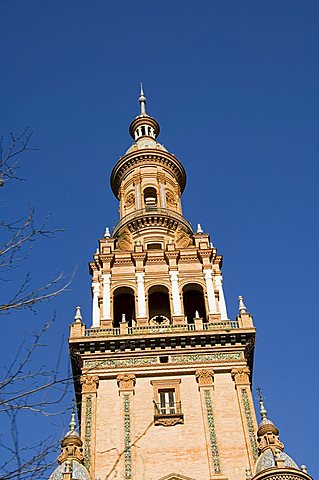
point(241, 375)
point(205, 377)
point(89, 383)
point(126, 382)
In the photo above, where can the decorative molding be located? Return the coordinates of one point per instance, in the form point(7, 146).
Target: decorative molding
point(241, 376)
point(212, 432)
point(174, 359)
point(88, 432)
point(89, 383)
point(205, 377)
point(127, 436)
point(126, 381)
point(169, 421)
point(250, 423)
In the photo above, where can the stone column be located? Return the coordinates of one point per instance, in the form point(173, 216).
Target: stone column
point(88, 420)
point(161, 180)
point(222, 303)
point(205, 380)
point(95, 305)
point(177, 307)
point(247, 411)
point(137, 184)
point(212, 307)
point(126, 384)
point(106, 296)
point(141, 304)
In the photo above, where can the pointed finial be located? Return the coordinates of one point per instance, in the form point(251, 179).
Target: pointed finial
point(78, 315)
point(123, 317)
point(211, 245)
point(199, 228)
point(263, 411)
point(142, 100)
point(303, 468)
point(72, 424)
point(241, 306)
point(196, 314)
point(107, 233)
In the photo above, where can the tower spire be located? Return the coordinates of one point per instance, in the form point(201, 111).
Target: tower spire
point(142, 100)
point(263, 411)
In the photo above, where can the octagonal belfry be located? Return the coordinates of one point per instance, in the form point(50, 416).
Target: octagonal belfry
point(162, 375)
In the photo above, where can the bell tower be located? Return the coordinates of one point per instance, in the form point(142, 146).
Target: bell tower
point(162, 375)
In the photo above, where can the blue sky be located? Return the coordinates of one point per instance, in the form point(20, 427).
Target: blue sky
point(233, 85)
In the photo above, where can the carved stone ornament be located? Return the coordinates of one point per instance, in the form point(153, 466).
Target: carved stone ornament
point(125, 241)
point(89, 383)
point(241, 375)
point(182, 238)
point(204, 377)
point(126, 381)
point(170, 199)
point(130, 200)
point(169, 422)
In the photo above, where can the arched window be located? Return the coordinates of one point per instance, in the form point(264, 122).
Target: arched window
point(123, 306)
point(193, 299)
point(150, 198)
point(158, 305)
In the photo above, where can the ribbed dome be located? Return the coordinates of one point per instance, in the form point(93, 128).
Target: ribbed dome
point(267, 460)
point(145, 142)
point(79, 472)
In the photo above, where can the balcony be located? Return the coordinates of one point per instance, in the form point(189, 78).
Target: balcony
point(225, 325)
point(168, 414)
point(152, 216)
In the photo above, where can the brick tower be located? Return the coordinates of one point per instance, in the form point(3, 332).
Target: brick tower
point(162, 375)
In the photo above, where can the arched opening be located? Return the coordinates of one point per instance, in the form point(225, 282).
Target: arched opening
point(158, 305)
point(123, 306)
point(150, 198)
point(194, 303)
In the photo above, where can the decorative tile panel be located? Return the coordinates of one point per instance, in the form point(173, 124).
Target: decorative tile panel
point(212, 432)
point(250, 423)
point(88, 432)
point(173, 359)
point(127, 436)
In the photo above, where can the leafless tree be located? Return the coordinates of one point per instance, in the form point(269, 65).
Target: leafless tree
point(19, 235)
point(27, 390)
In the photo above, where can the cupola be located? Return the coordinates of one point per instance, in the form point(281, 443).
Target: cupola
point(144, 125)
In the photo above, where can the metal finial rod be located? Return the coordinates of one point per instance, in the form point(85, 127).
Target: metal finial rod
point(263, 411)
point(72, 424)
point(142, 100)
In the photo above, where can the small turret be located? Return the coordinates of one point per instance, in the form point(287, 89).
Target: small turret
point(144, 125)
point(71, 457)
point(273, 463)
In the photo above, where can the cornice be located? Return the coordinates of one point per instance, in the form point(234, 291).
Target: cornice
point(138, 157)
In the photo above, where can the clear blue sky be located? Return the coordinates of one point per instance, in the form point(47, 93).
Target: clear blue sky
point(234, 86)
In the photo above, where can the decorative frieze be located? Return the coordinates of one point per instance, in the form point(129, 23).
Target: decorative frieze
point(173, 359)
point(88, 432)
point(250, 423)
point(126, 382)
point(127, 436)
point(212, 432)
point(204, 377)
point(89, 383)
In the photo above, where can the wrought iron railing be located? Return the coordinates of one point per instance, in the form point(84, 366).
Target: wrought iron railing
point(169, 408)
point(158, 329)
